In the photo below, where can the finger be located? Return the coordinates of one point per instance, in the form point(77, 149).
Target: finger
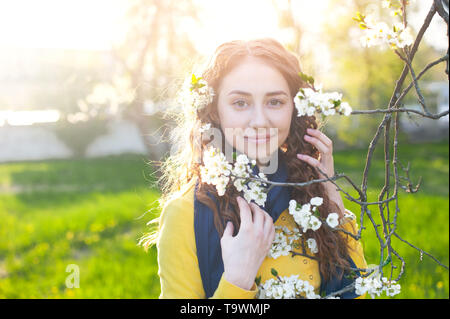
point(312, 161)
point(309, 159)
point(268, 224)
point(271, 235)
point(228, 232)
point(318, 144)
point(321, 136)
point(244, 212)
point(258, 216)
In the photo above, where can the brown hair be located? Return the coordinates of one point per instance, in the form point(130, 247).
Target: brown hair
point(183, 167)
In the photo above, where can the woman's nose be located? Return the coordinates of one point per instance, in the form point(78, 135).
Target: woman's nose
point(258, 118)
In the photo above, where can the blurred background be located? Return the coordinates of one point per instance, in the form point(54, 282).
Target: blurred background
point(83, 85)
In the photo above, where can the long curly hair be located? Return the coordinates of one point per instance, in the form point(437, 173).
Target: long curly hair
point(183, 165)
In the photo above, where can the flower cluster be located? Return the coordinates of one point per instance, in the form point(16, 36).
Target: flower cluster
point(287, 287)
point(396, 37)
point(380, 33)
point(374, 286)
point(196, 93)
point(284, 242)
point(307, 215)
point(308, 101)
point(216, 170)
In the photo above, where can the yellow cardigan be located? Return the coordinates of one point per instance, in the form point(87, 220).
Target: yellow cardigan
point(177, 255)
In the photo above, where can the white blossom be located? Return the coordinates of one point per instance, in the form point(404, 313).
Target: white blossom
point(195, 93)
point(392, 290)
point(312, 245)
point(304, 216)
point(217, 171)
point(333, 220)
point(307, 102)
point(314, 223)
point(345, 108)
point(316, 201)
point(286, 287)
point(292, 205)
point(374, 286)
point(283, 242)
point(379, 33)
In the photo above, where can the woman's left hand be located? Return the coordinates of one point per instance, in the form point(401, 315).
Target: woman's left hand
point(325, 163)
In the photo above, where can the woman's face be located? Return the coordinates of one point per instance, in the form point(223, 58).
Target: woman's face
point(255, 108)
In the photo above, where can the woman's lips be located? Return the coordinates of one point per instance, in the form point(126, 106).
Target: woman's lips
point(258, 140)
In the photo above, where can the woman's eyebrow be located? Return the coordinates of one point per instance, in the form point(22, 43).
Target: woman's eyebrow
point(249, 94)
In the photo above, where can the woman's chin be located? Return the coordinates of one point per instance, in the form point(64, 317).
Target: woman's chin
point(260, 152)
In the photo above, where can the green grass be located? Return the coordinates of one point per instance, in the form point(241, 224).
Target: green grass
point(84, 212)
point(88, 212)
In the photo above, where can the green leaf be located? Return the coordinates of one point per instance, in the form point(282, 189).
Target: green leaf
point(258, 280)
point(234, 156)
point(274, 272)
point(306, 78)
point(337, 103)
point(316, 212)
point(303, 76)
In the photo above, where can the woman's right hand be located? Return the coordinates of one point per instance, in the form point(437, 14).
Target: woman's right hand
point(243, 254)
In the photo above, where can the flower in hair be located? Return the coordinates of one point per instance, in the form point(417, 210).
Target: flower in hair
point(196, 93)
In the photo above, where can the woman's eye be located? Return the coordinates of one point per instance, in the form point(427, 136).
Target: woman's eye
point(275, 102)
point(240, 103)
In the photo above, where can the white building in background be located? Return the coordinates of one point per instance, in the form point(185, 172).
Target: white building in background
point(420, 128)
point(123, 137)
point(32, 81)
point(29, 142)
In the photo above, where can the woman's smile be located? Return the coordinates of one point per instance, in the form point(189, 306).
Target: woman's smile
point(264, 139)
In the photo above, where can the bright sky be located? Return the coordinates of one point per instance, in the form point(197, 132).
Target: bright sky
point(238, 19)
point(95, 24)
point(80, 24)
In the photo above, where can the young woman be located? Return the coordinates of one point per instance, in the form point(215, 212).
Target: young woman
point(214, 245)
